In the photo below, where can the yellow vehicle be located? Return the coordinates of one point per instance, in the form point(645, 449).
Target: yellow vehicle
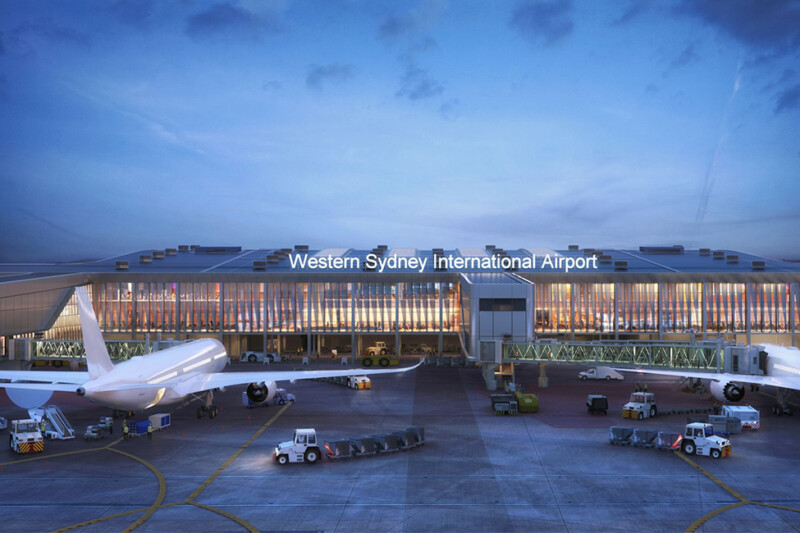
point(380, 360)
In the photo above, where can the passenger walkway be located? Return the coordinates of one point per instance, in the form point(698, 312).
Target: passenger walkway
point(698, 356)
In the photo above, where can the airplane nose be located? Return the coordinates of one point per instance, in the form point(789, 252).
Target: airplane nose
point(81, 391)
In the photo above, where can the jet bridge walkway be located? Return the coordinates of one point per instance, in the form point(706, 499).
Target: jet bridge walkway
point(674, 355)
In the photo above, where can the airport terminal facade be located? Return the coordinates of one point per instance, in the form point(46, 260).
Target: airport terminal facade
point(262, 300)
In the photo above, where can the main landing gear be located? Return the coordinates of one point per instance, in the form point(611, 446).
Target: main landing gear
point(782, 405)
point(208, 409)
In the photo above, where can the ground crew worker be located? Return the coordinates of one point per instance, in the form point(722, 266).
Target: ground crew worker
point(125, 431)
point(645, 387)
point(42, 426)
point(150, 432)
point(111, 426)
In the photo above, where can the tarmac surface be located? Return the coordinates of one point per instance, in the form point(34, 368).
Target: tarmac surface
point(550, 471)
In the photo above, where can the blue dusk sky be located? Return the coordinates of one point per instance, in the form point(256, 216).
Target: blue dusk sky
point(148, 124)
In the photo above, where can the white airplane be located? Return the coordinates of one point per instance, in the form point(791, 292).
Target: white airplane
point(775, 366)
point(165, 377)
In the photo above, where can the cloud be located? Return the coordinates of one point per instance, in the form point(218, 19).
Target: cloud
point(546, 21)
point(272, 85)
point(416, 84)
point(788, 99)
point(651, 88)
point(413, 21)
point(687, 55)
point(47, 30)
point(318, 75)
point(635, 9)
point(449, 109)
point(225, 20)
point(771, 25)
point(137, 14)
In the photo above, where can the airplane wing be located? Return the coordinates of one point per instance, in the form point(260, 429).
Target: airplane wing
point(55, 387)
point(204, 382)
point(45, 376)
point(784, 382)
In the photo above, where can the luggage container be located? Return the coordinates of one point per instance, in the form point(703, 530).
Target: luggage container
point(365, 446)
point(725, 425)
point(644, 438)
point(597, 403)
point(505, 408)
point(160, 421)
point(501, 398)
point(339, 449)
point(620, 435)
point(528, 403)
point(668, 441)
point(418, 434)
point(387, 443)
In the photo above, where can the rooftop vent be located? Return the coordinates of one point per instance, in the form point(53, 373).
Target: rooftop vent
point(604, 259)
point(301, 248)
point(733, 259)
point(217, 249)
point(383, 247)
point(490, 247)
point(759, 265)
point(588, 251)
point(676, 249)
point(705, 251)
point(273, 259)
point(286, 251)
point(171, 251)
point(259, 265)
point(620, 265)
point(719, 254)
point(145, 259)
point(158, 254)
point(194, 247)
point(122, 265)
point(183, 248)
point(573, 247)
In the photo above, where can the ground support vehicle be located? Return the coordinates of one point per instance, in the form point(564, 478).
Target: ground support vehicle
point(379, 348)
point(138, 428)
point(379, 360)
point(376, 444)
point(56, 424)
point(303, 448)
point(699, 439)
point(281, 398)
point(259, 357)
point(93, 432)
point(105, 423)
point(160, 421)
point(527, 403)
point(600, 372)
point(25, 436)
point(352, 382)
point(3, 423)
point(641, 405)
point(725, 425)
point(749, 416)
point(597, 403)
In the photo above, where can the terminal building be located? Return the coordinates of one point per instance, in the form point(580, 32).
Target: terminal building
point(316, 301)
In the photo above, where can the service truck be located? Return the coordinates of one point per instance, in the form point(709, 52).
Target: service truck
point(379, 348)
point(25, 437)
point(699, 439)
point(303, 448)
point(747, 414)
point(641, 405)
point(600, 372)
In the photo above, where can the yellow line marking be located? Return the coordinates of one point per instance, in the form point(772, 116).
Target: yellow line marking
point(742, 500)
point(711, 477)
point(236, 454)
point(703, 519)
point(162, 490)
point(235, 518)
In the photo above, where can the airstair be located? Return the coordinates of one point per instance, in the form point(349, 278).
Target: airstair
point(58, 427)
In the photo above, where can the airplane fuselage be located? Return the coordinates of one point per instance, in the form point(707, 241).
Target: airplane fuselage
point(204, 356)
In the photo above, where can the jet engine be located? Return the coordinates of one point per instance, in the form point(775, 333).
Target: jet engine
point(732, 392)
point(261, 392)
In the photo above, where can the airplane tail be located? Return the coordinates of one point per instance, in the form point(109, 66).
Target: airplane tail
point(97, 359)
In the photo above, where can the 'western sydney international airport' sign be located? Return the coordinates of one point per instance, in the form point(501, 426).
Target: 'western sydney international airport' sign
point(448, 262)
